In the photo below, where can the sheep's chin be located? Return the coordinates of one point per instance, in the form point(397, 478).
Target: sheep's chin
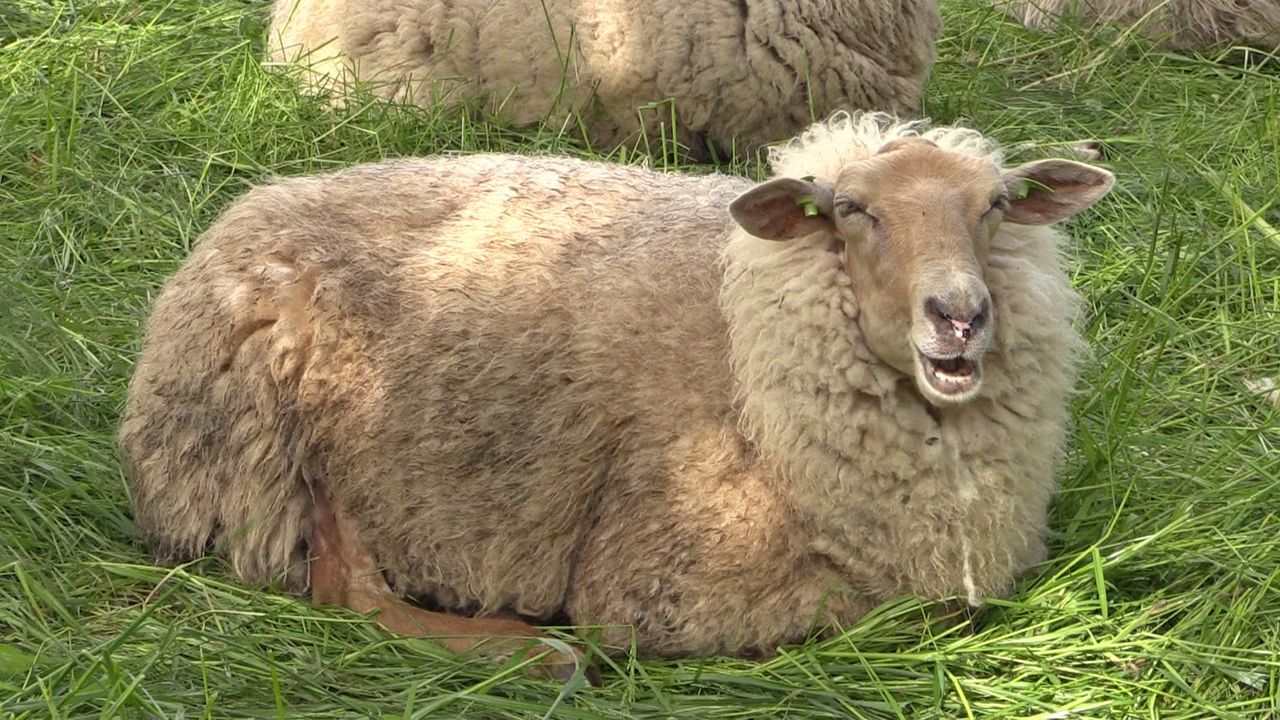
point(948, 381)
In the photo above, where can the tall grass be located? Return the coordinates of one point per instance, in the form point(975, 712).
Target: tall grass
point(125, 127)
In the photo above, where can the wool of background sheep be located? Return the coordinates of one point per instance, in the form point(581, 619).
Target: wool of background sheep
point(750, 72)
point(1181, 24)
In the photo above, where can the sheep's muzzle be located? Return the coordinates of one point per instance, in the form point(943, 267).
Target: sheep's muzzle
point(952, 331)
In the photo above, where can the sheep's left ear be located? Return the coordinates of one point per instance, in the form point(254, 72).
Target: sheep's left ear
point(784, 208)
point(1046, 191)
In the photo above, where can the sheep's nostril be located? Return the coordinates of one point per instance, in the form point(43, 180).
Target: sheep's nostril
point(961, 320)
point(933, 310)
point(976, 322)
point(963, 330)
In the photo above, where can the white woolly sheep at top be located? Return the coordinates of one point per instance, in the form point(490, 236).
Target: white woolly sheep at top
point(712, 412)
point(1179, 24)
point(741, 74)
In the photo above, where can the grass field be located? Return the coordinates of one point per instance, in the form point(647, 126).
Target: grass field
point(125, 127)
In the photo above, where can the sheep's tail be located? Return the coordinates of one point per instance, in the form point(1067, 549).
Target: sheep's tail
point(210, 435)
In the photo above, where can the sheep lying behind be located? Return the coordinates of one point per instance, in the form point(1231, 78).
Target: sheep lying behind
point(1180, 24)
point(739, 72)
point(709, 411)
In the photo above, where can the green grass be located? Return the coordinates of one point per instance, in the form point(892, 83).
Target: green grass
point(125, 127)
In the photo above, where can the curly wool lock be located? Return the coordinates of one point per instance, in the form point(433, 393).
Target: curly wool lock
point(740, 73)
point(559, 387)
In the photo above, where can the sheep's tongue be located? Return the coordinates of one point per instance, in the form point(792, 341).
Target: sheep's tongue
point(954, 366)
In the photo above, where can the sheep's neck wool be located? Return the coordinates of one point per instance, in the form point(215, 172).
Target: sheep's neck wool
point(947, 503)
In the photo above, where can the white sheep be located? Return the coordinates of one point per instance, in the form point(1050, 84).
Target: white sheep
point(1179, 24)
point(741, 73)
point(710, 412)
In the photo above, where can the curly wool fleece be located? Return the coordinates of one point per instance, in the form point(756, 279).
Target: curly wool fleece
point(741, 74)
point(573, 388)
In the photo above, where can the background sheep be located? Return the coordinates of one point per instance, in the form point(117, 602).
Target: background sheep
point(549, 386)
point(740, 73)
point(1181, 24)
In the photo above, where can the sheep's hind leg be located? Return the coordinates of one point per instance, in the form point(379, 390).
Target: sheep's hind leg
point(343, 572)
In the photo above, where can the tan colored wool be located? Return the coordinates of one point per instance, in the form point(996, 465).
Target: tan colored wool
point(741, 74)
point(574, 388)
point(1181, 24)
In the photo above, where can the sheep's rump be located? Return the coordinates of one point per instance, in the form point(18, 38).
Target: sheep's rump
point(1182, 24)
point(459, 368)
point(740, 73)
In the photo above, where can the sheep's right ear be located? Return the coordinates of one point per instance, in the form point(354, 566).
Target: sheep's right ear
point(1042, 192)
point(784, 209)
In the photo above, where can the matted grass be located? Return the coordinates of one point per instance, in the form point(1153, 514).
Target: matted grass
point(125, 127)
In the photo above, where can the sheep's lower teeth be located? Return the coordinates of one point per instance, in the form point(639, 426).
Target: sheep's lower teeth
point(950, 376)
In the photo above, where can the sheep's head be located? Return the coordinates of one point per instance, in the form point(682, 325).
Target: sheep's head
point(913, 226)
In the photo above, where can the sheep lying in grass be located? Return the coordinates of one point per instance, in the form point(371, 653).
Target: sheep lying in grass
point(1180, 24)
point(740, 74)
point(712, 412)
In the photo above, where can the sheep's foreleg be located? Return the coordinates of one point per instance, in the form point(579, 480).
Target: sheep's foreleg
point(343, 572)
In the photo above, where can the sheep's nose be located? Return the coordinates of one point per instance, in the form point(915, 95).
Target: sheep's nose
point(963, 318)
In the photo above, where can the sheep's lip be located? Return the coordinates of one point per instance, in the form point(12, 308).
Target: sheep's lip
point(953, 378)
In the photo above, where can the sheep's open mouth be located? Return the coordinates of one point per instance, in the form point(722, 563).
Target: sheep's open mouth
point(950, 376)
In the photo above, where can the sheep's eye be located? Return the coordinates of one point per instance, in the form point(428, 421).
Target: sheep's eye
point(848, 208)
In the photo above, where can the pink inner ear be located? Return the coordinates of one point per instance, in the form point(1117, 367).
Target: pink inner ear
point(1063, 189)
point(781, 216)
point(1043, 205)
point(1034, 207)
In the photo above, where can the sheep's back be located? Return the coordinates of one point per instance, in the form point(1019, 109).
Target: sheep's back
point(483, 337)
point(1179, 24)
point(740, 74)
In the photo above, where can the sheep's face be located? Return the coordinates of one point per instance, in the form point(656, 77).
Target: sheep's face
point(912, 225)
